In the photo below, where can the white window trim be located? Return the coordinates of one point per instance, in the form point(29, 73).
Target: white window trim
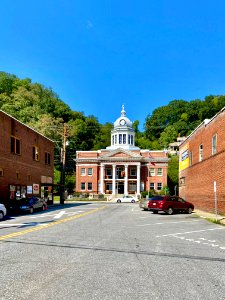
point(84, 172)
point(152, 174)
point(91, 172)
point(158, 172)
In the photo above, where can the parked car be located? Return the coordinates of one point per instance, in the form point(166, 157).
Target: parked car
point(31, 204)
point(3, 211)
point(169, 204)
point(126, 199)
point(143, 203)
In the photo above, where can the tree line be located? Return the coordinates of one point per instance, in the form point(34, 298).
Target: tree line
point(42, 109)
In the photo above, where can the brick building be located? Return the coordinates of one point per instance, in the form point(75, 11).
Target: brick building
point(121, 168)
point(202, 172)
point(26, 161)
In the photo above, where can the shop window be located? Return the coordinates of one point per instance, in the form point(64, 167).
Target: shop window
point(36, 153)
point(214, 143)
point(47, 158)
point(89, 186)
point(1, 172)
point(82, 186)
point(159, 172)
point(15, 145)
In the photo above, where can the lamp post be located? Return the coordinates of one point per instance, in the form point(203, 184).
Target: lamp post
point(63, 165)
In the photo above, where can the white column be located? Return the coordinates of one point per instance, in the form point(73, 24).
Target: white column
point(102, 179)
point(114, 180)
point(126, 181)
point(138, 179)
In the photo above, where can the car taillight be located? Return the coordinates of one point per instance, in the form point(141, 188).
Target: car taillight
point(160, 203)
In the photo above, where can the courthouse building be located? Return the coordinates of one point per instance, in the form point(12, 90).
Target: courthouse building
point(202, 172)
point(121, 168)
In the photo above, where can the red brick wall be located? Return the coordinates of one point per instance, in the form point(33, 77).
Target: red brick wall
point(199, 178)
point(23, 163)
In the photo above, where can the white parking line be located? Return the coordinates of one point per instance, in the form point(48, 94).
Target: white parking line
point(188, 232)
point(165, 223)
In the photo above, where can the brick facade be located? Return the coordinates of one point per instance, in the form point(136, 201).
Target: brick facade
point(26, 160)
point(203, 166)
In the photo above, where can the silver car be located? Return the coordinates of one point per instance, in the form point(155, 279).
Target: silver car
point(143, 203)
point(3, 211)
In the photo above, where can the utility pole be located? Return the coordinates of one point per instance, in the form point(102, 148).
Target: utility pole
point(63, 165)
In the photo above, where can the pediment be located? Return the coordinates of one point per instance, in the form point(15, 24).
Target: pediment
point(121, 153)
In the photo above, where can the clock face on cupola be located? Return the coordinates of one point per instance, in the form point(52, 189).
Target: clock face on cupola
point(122, 122)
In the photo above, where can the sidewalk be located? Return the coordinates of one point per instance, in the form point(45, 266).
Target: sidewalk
point(208, 215)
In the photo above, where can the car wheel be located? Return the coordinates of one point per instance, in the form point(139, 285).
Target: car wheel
point(118, 201)
point(1, 215)
point(31, 210)
point(189, 210)
point(170, 211)
point(132, 201)
point(155, 211)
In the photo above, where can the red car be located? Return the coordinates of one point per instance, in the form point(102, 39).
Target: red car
point(169, 204)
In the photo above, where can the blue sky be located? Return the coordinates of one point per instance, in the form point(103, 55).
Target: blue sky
point(98, 55)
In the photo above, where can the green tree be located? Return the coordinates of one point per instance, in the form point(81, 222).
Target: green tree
point(173, 174)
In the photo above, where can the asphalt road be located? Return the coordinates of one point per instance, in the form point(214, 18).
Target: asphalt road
point(111, 251)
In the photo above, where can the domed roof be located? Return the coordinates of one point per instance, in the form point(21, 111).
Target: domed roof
point(122, 120)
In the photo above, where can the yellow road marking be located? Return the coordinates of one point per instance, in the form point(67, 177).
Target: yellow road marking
point(15, 234)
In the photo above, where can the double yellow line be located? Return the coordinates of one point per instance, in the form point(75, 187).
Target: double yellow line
point(40, 227)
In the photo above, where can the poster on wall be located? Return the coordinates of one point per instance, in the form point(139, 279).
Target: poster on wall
point(36, 188)
point(184, 160)
point(29, 189)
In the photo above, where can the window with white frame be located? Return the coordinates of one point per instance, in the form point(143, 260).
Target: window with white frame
point(159, 172)
point(159, 186)
point(152, 185)
point(89, 186)
point(83, 172)
point(200, 152)
point(214, 142)
point(90, 171)
point(108, 172)
point(132, 186)
point(120, 138)
point(82, 186)
point(133, 171)
point(116, 139)
point(151, 172)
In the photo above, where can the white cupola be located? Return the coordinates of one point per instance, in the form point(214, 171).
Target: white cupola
point(123, 135)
